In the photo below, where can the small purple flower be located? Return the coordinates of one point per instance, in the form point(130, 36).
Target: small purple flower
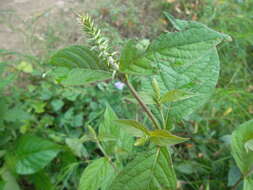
point(119, 85)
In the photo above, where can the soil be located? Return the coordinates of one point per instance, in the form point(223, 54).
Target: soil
point(17, 17)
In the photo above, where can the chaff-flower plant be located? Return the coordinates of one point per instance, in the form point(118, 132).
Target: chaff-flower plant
point(178, 71)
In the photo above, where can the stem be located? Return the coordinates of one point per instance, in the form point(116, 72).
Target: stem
point(142, 104)
point(162, 115)
point(104, 152)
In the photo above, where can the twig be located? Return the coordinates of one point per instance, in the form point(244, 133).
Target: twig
point(142, 104)
point(105, 154)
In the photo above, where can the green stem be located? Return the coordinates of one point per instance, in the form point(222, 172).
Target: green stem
point(162, 115)
point(142, 104)
point(105, 153)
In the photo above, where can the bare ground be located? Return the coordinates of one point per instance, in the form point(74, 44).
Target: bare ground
point(23, 23)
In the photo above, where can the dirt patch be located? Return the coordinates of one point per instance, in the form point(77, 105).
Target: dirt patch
point(24, 19)
point(42, 26)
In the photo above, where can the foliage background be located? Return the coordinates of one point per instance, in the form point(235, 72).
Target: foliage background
point(32, 31)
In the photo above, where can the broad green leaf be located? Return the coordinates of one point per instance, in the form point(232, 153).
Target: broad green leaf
point(151, 170)
point(165, 138)
point(182, 25)
point(243, 158)
point(175, 95)
point(109, 129)
point(133, 127)
point(77, 65)
point(132, 60)
point(188, 61)
point(31, 154)
point(76, 56)
point(95, 176)
point(78, 76)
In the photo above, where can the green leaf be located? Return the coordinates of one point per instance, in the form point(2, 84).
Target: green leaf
point(175, 95)
point(165, 138)
point(188, 61)
point(185, 25)
point(77, 65)
point(31, 154)
point(38, 106)
point(76, 56)
point(151, 170)
point(96, 175)
point(77, 147)
point(242, 135)
point(177, 23)
point(16, 113)
point(42, 181)
point(57, 104)
point(77, 76)
point(109, 129)
point(132, 60)
point(133, 127)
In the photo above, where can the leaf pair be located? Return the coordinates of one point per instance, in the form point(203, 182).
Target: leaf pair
point(148, 171)
point(186, 60)
point(158, 137)
point(31, 154)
